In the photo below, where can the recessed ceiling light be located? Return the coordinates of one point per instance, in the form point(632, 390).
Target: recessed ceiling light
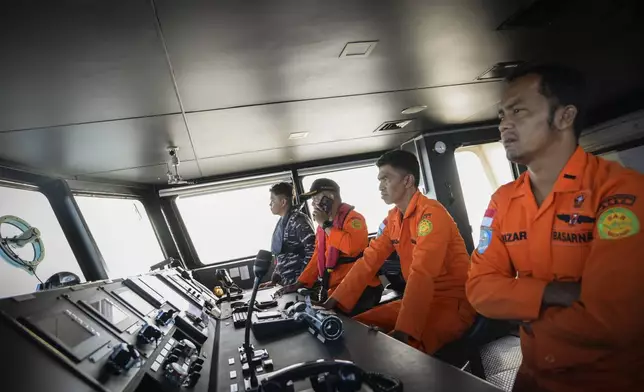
point(358, 49)
point(298, 135)
point(414, 109)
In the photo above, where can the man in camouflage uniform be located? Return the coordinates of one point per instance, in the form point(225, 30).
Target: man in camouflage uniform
point(293, 239)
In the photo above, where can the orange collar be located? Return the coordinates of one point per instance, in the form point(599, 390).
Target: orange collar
point(569, 179)
point(411, 208)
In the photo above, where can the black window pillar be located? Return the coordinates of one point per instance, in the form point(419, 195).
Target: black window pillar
point(161, 227)
point(179, 233)
point(75, 228)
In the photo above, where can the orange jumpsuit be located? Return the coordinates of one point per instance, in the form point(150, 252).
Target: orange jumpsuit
point(434, 263)
point(587, 230)
point(350, 241)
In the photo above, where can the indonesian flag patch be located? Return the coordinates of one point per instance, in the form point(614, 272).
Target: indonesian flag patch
point(488, 217)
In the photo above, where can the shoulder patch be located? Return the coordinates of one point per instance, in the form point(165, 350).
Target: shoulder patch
point(616, 223)
point(425, 226)
point(381, 228)
point(356, 223)
point(615, 200)
point(488, 217)
point(484, 239)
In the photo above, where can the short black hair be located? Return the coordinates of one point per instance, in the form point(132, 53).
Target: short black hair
point(401, 160)
point(561, 85)
point(283, 189)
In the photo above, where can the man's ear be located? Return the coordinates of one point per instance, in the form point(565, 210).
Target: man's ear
point(565, 117)
point(409, 181)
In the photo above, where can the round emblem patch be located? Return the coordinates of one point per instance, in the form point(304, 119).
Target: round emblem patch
point(484, 240)
point(425, 227)
point(356, 224)
point(616, 223)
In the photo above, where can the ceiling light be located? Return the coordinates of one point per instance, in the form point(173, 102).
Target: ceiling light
point(298, 135)
point(414, 109)
point(358, 49)
point(500, 70)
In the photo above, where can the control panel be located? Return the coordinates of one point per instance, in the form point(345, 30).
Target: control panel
point(154, 332)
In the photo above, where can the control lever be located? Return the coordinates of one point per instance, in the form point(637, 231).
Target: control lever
point(123, 358)
point(165, 317)
point(148, 334)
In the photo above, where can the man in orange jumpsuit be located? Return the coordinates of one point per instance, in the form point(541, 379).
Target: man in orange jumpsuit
point(560, 247)
point(341, 237)
point(433, 259)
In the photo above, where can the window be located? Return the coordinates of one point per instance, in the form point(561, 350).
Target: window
point(631, 158)
point(34, 208)
point(123, 234)
point(229, 224)
point(359, 188)
point(482, 170)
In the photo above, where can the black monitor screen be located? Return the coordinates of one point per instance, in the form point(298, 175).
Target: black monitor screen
point(109, 310)
point(64, 328)
point(136, 301)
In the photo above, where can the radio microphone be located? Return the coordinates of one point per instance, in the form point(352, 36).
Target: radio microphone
point(263, 262)
point(261, 266)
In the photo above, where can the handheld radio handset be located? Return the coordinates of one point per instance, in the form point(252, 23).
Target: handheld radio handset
point(329, 375)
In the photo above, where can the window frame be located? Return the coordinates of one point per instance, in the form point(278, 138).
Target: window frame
point(173, 194)
point(118, 196)
point(35, 186)
point(488, 169)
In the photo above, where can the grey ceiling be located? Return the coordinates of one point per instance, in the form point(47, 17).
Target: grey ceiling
point(100, 88)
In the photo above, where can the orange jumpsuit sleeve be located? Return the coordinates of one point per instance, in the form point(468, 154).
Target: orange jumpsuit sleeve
point(363, 270)
point(353, 238)
point(427, 261)
point(610, 311)
point(492, 287)
point(310, 274)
